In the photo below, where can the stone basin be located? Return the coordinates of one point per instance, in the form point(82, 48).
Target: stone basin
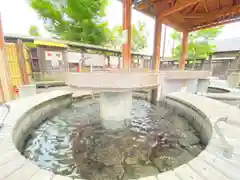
point(203, 114)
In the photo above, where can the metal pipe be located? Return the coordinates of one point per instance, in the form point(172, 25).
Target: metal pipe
point(3, 116)
point(228, 149)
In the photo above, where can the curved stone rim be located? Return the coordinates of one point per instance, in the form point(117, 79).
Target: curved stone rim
point(117, 81)
point(207, 165)
point(210, 163)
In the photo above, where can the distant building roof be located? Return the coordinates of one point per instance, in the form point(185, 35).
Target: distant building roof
point(69, 43)
point(226, 45)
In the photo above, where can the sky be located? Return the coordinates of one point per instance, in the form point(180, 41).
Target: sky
point(17, 17)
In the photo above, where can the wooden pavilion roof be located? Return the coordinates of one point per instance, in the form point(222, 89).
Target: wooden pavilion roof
point(191, 15)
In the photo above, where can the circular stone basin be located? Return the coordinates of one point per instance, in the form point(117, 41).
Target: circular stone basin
point(75, 144)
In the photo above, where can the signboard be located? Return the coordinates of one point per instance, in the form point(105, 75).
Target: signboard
point(53, 56)
point(74, 57)
point(94, 59)
point(114, 61)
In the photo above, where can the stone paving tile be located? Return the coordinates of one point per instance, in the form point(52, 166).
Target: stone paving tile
point(42, 175)
point(205, 170)
point(148, 178)
point(169, 175)
point(8, 156)
point(58, 177)
point(218, 150)
point(185, 172)
point(23, 173)
point(219, 154)
point(12, 166)
point(5, 148)
point(5, 130)
point(226, 168)
point(6, 142)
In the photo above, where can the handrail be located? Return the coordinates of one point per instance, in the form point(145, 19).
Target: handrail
point(4, 115)
point(228, 149)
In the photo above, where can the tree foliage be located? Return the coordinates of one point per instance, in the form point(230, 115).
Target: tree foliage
point(139, 36)
point(74, 20)
point(33, 31)
point(200, 43)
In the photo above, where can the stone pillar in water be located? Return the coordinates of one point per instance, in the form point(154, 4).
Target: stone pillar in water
point(115, 108)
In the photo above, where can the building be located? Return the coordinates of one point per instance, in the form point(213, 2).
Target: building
point(51, 56)
point(226, 58)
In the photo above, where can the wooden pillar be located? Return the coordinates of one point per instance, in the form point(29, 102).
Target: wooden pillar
point(164, 41)
point(184, 50)
point(21, 61)
point(127, 8)
point(156, 56)
point(157, 44)
point(5, 79)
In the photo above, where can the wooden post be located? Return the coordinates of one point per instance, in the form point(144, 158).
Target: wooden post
point(183, 57)
point(184, 50)
point(157, 45)
point(164, 41)
point(4, 75)
point(21, 61)
point(156, 56)
point(127, 8)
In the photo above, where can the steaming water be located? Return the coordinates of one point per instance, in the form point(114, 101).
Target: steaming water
point(74, 143)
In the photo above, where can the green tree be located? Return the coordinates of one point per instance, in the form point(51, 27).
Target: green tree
point(74, 20)
point(200, 43)
point(139, 36)
point(33, 31)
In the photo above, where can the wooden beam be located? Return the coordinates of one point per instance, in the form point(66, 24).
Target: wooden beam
point(127, 8)
point(210, 17)
point(179, 18)
point(5, 80)
point(173, 2)
point(219, 4)
point(174, 24)
point(196, 6)
point(215, 24)
point(205, 5)
point(183, 56)
point(193, 17)
point(190, 9)
point(157, 45)
point(216, 13)
point(177, 21)
point(233, 2)
point(176, 8)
